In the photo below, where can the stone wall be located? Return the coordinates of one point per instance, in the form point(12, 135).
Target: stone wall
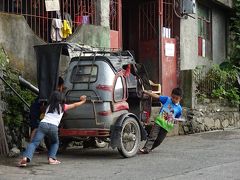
point(205, 117)
point(212, 115)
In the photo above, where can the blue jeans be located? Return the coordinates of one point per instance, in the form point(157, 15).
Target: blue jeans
point(44, 129)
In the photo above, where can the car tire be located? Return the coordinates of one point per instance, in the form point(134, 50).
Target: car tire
point(130, 138)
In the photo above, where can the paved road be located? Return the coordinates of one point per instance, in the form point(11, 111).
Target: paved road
point(214, 155)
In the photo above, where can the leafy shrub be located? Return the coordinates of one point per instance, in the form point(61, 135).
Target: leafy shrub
point(14, 114)
point(219, 83)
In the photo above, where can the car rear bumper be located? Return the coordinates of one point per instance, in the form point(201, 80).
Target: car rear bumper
point(84, 132)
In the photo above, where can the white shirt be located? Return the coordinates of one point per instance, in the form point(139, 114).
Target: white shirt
point(53, 118)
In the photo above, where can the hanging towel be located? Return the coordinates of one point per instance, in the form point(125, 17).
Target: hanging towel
point(68, 17)
point(56, 30)
point(66, 30)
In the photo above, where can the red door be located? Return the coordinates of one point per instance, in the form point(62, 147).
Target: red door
point(169, 65)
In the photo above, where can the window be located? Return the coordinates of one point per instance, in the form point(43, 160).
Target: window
point(118, 90)
point(86, 73)
point(204, 32)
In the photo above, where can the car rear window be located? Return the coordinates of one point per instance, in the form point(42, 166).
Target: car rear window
point(84, 73)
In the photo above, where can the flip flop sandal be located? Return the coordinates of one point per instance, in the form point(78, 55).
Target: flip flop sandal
point(54, 162)
point(22, 163)
point(144, 151)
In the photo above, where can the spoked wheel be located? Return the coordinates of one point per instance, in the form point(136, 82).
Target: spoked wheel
point(130, 138)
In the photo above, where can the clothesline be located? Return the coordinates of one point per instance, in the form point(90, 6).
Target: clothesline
point(60, 29)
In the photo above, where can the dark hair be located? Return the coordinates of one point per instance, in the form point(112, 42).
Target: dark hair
point(177, 92)
point(55, 102)
point(60, 81)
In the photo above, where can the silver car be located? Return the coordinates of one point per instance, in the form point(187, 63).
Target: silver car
point(116, 109)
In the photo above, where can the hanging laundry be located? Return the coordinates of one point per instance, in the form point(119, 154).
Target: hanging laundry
point(56, 30)
point(66, 30)
point(68, 17)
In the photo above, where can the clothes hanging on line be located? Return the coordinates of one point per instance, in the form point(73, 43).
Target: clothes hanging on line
point(68, 17)
point(56, 30)
point(66, 29)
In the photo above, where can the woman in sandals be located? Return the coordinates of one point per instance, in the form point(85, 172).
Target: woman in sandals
point(49, 127)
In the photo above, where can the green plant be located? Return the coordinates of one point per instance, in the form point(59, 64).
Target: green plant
point(219, 82)
point(235, 35)
point(233, 96)
point(13, 115)
point(219, 93)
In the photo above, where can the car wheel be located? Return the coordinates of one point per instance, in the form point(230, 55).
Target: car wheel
point(130, 138)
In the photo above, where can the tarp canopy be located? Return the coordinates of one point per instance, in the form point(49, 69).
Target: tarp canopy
point(48, 58)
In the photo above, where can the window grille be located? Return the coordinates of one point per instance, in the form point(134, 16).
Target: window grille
point(204, 31)
point(114, 15)
point(80, 12)
point(168, 19)
point(148, 21)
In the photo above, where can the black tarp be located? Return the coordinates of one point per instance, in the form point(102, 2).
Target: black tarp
point(48, 58)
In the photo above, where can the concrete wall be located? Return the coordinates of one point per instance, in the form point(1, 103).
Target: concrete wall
point(189, 41)
point(188, 87)
point(18, 40)
point(228, 3)
point(219, 36)
point(103, 12)
point(97, 36)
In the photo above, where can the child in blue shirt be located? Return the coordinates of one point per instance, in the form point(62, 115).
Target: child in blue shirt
point(164, 122)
